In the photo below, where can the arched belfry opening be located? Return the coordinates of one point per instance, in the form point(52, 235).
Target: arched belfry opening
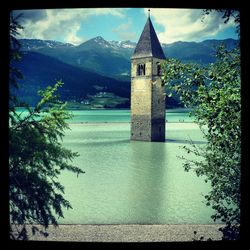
point(147, 90)
point(141, 69)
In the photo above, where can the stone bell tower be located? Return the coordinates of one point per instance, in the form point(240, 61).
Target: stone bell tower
point(147, 90)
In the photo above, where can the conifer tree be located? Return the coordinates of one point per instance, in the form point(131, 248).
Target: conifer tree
point(36, 154)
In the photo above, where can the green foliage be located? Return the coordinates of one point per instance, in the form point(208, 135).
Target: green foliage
point(15, 56)
point(213, 92)
point(36, 157)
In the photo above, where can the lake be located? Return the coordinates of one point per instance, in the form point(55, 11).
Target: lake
point(82, 116)
point(172, 115)
point(132, 182)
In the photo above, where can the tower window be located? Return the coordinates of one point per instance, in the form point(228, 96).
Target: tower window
point(141, 69)
point(159, 72)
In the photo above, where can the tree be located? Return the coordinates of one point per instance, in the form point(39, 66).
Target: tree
point(213, 92)
point(36, 154)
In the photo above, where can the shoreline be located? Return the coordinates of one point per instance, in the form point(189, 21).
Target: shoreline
point(128, 232)
point(101, 123)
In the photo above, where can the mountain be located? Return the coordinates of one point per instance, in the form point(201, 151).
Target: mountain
point(112, 58)
point(97, 71)
point(196, 52)
point(36, 44)
point(123, 44)
point(79, 85)
point(102, 57)
point(97, 55)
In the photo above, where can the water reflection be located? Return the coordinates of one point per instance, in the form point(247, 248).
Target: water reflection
point(146, 181)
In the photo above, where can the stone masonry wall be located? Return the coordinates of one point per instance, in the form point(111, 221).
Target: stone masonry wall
point(147, 102)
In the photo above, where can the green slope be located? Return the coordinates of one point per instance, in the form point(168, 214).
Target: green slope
point(41, 70)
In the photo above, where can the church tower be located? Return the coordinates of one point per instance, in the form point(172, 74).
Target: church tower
point(147, 90)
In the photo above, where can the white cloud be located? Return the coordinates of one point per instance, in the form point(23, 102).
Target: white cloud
point(124, 31)
point(186, 24)
point(60, 24)
point(65, 24)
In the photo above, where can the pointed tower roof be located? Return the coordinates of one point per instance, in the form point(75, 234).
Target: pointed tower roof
point(148, 45)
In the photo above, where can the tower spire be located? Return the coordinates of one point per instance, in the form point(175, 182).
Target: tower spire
point(148, 44)
point(147, 91)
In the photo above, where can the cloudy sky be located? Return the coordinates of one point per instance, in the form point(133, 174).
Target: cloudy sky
point(78, 25)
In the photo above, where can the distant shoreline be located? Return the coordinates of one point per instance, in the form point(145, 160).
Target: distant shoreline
point(112, 123)
point(170, 110)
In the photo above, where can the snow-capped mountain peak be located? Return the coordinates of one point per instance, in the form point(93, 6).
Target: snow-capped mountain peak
point(123, 44)
point(37, 44)
point(101, 41)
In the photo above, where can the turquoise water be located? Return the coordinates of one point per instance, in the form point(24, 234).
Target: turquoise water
point(172, 115)
point(122, 116)
point(129, 181)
